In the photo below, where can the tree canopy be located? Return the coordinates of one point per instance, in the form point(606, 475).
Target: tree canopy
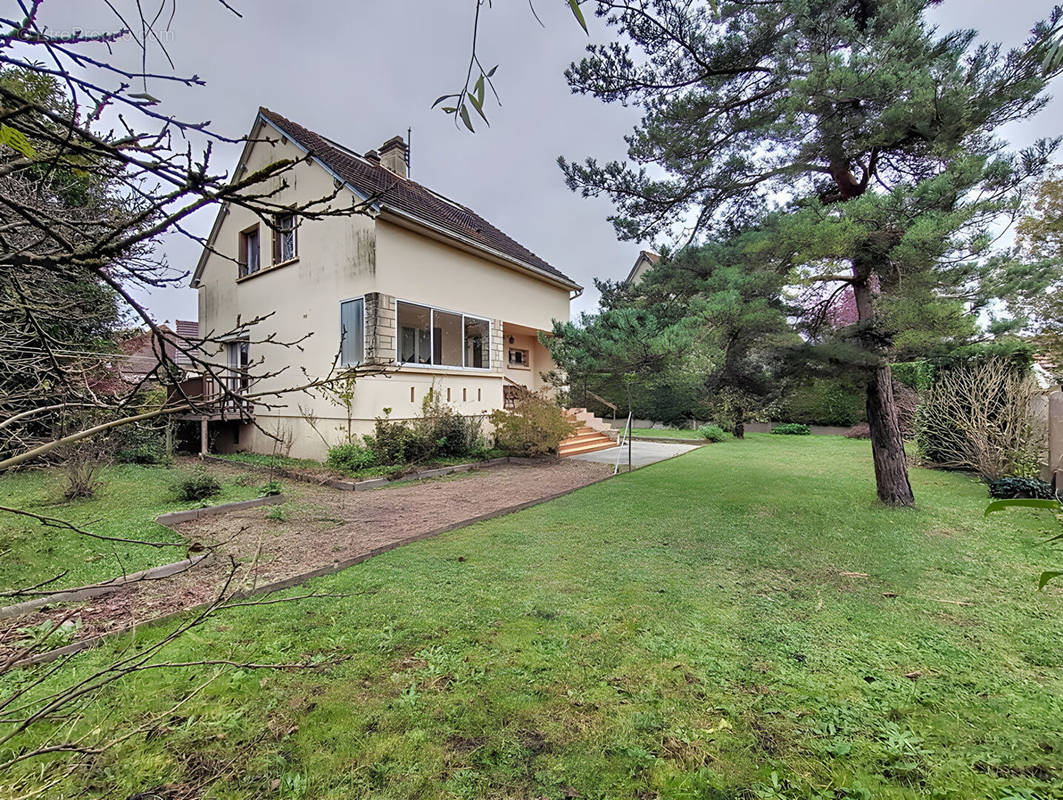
point(860, 134)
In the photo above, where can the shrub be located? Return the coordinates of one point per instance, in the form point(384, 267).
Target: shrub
point(712, 433)
point(860, 430)
point(139, 444)
point(82, 463)
point(825, 401)
point(1015, 487)
point(535, 427)
point(792, 429)
point(197, 485)
point(392, 441)
point(976, 416)
point(442, 431)
point(350, 457)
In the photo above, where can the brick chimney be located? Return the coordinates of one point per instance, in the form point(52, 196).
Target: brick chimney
point(393, 156)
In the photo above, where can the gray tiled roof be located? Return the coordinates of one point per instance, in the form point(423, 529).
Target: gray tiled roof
point(372, 180)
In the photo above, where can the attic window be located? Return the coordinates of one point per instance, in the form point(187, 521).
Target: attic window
point(250, 257)
point(284, 238)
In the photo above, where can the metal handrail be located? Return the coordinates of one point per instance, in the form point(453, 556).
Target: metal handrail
point(620, 446)
point(601, 400)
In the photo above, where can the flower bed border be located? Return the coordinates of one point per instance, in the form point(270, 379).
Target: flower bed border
point(379, 483)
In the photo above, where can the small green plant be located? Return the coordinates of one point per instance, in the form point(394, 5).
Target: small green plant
point(712, 433)
point(197, 485)
point(49, 634)
point(1016, 487)
point(792, 429)
point(270, 489)
point(277, 514)
point(350, 457)
point(245, 479)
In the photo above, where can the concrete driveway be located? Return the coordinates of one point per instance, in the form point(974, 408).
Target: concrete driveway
point(642, 453)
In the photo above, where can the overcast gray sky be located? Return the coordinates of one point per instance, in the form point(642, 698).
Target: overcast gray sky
point(361, 71)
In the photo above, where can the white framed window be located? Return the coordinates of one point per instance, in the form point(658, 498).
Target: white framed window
point(238, 356)
point(250, 252)
point(439, 338)
point(352, 332)
point(285, 245)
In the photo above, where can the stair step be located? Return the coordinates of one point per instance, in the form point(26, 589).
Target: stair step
point(585, 448)
point(590, 434)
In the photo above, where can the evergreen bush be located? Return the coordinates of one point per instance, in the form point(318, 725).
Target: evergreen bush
point(792, 429)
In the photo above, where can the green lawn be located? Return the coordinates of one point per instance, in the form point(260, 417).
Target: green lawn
point(681, 632)
point(126, 504)
point(666, 433)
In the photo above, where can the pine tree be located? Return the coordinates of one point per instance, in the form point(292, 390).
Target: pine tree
point(872, 129)
point(708, 325)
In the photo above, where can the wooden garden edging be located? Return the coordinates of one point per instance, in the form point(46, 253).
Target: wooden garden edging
point(376, 483)
point(151, 574)
point(175, 517)
point(104, 587)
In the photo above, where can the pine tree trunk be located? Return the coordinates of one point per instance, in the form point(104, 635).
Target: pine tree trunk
point(887, 444)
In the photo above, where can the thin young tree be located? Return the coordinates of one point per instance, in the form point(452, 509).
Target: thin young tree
point(872, 128)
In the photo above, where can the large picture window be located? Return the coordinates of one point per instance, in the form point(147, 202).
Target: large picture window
point(352, 332)
point(442, 338)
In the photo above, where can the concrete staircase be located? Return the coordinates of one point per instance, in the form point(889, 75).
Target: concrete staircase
point(591, 434)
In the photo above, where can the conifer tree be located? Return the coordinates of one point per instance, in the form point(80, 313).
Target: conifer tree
point(872, 129)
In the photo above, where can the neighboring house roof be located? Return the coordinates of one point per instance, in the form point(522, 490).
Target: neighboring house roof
point(407, 198)
point(647, 259)
point(187, 334)
point(142, 352)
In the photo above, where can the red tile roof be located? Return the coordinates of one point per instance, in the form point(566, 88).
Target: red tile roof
point(374, 181)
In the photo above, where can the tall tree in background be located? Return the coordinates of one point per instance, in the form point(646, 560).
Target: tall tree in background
point(63, 315)
point(872, 128)
point(1040, 294)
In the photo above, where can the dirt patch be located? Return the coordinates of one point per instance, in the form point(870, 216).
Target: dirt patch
point(318, 528)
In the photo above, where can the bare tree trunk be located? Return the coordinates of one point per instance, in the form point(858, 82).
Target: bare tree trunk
point(887, 444)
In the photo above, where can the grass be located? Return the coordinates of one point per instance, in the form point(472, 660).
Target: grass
point(126, 505)
point(666, 433)
point(683, 632)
